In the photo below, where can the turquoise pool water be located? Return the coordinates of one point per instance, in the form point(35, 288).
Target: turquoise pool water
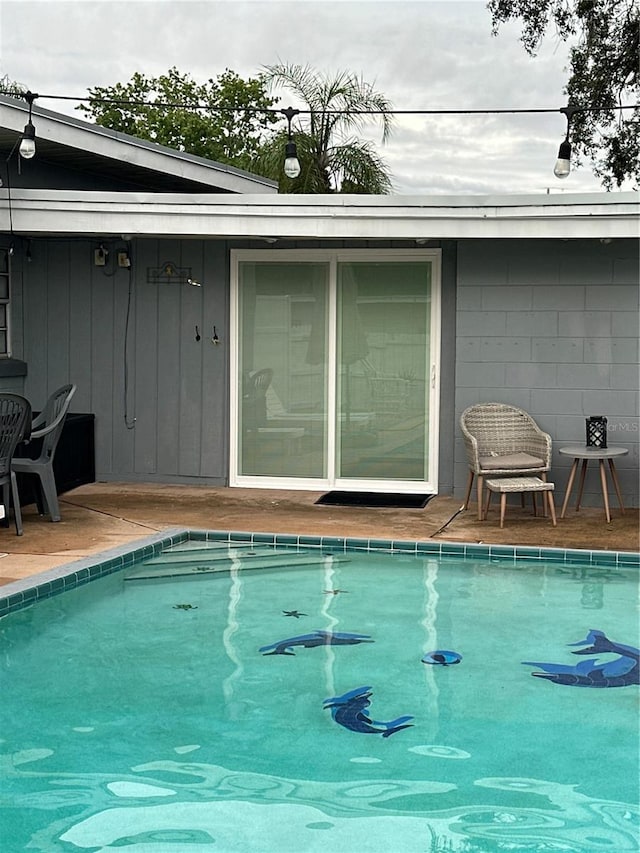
point(143, 712)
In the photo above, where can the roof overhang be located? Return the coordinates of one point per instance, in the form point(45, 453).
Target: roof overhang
point(50, 212)
point(64, 140)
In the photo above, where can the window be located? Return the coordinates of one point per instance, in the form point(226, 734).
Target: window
point(5, 291)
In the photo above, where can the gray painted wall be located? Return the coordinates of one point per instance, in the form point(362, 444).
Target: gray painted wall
point(552, 327)
point(547, 325)
point(160, 397)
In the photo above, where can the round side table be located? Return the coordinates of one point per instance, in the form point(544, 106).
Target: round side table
point(584, 453)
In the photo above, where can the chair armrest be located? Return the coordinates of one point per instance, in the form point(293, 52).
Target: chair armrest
point(39, 433)
point(539, 444)
point(471, 447)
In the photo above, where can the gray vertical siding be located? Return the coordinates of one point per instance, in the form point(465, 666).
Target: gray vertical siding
point(552, 327)
point(160, 397)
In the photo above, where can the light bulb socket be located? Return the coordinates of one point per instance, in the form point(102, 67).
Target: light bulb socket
point(27, 147)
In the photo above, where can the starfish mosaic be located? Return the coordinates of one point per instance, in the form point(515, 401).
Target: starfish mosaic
point(294, 613)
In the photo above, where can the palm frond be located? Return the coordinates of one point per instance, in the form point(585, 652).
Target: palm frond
point(340, 105)
point(356, 168)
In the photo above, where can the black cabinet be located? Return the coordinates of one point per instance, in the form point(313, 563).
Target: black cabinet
point(74, 463)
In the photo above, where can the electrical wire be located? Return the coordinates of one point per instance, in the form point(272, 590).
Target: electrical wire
point(130, 422)
point(277, 110)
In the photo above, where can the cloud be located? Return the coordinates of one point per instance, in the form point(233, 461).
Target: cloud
point(420, 55)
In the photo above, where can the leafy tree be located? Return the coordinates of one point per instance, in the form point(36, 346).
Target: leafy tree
point(604, 70)
point(226, 119)
point(332, 158)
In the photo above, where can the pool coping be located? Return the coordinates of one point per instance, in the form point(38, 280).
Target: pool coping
point(22, 593)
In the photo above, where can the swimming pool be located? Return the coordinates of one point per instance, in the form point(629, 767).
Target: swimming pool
point(226, 692)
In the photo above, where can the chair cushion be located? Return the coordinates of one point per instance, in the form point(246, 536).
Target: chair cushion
point(510, 460)
point(518, 484)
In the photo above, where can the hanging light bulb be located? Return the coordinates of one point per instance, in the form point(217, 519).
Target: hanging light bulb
point(27, 147)
point(291, 162)
point(28, 143)
point(563, 163)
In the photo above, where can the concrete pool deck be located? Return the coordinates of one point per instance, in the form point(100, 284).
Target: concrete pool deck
point(100, 516)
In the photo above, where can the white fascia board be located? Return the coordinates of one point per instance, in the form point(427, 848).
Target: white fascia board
point(83, 136)
point(318, 217)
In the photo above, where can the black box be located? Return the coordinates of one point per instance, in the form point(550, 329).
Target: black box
point(74, 463)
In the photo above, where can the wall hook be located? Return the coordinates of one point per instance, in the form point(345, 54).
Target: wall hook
point(197, 334)
point(214, 338)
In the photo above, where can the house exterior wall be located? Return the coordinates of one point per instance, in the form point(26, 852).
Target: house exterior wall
point(160, 397)
point(552, 327)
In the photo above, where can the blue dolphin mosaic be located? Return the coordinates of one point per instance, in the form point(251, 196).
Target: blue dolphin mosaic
point(621, 672)
point(441, 657)
point(316, 638)
point(348, 710)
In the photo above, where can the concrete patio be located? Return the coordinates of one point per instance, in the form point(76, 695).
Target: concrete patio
point(100, 516)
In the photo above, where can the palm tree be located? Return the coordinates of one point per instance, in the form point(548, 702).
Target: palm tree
point(332, 158)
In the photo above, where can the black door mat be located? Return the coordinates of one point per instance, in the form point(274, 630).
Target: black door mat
point(374, 499)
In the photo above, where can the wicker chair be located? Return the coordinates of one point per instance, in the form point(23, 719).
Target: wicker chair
point(502, 441)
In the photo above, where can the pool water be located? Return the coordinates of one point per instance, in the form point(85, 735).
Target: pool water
point(143, 711)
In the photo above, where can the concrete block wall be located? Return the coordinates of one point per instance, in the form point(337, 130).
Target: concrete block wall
point(553, 327)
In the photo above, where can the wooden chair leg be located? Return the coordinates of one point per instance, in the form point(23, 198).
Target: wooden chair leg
point(479, 485)
point(503, 507)
point(552, 508)
point(535, 504)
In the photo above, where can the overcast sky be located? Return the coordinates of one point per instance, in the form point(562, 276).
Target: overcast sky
point(424, 55)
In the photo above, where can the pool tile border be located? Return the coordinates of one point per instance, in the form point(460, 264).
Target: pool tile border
point(22, 593)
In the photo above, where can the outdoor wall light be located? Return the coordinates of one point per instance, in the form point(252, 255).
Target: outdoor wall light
point(563, 163)
point(27, 147)
point(291, 162)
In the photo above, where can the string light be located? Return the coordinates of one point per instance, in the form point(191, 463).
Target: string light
point(563, 163)
point(207, 107)
point(291, 162)
point(27, 147)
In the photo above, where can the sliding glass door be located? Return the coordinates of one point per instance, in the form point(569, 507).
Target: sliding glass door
point(335, 369)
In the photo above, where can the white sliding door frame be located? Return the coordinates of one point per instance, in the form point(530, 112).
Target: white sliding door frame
point(333, 258)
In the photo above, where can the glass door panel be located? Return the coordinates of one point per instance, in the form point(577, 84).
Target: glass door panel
point(382, 369)
point(282, 369)
point(335, 365)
